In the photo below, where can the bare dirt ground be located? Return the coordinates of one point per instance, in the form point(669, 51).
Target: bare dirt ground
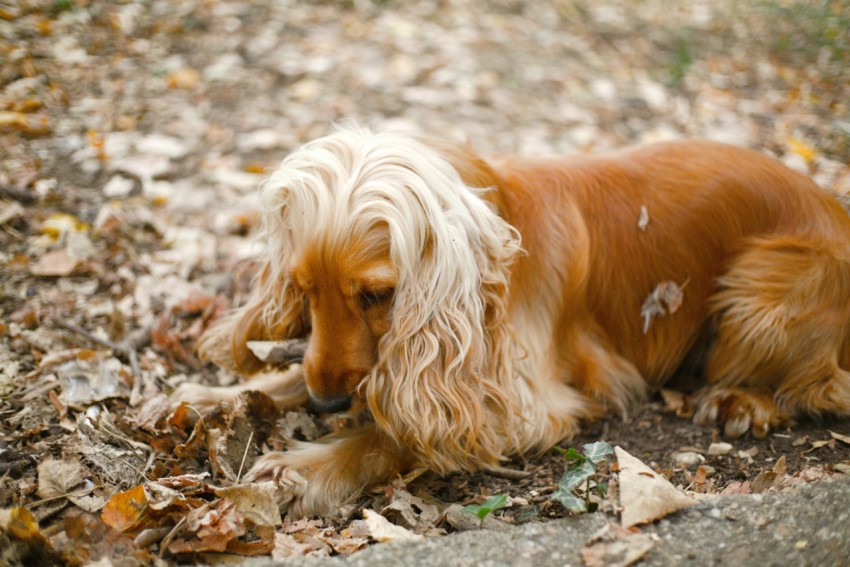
point(133, 135)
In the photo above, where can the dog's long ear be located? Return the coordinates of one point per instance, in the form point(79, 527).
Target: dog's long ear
point(440, 387)
point(274, 310)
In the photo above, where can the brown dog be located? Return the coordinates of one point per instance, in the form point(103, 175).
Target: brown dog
point(480, 309)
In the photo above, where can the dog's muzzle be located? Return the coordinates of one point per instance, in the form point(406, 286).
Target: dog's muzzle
point(331, 404)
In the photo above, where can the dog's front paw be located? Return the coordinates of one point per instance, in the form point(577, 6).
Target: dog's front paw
point(290, 484)
point(738, 411)
point(200, 397)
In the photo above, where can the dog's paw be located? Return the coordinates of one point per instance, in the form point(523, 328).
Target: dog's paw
point(738, 411)
point(290, 484)
point(200, 397)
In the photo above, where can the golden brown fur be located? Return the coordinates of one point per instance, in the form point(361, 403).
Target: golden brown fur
point(471, 331)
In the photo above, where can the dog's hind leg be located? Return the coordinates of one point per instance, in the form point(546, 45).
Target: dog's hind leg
point(782, 347)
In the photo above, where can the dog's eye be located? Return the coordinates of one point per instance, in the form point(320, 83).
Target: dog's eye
point(372, 297)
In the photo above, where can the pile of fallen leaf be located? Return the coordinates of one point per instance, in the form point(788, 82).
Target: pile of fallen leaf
point(132, 137)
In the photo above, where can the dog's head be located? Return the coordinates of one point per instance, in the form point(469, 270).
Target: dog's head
point(398, 271)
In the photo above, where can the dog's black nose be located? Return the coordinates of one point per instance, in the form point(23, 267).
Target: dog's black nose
point(330, 404)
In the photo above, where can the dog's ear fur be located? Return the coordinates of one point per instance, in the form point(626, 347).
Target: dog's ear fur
point(443, 371)
point(274, 310)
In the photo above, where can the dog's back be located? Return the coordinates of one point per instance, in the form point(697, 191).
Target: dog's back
point(750, 245)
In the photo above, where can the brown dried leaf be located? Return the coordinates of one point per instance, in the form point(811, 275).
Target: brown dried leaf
point(286, 545)
point(125, 510)
point(279, 352)
point(183, 480)
point(382, 530)
point(768, 479)
point(67, 477)
point(58, 477)
point(666, 298)
point(55, 263)
point(412, 512)
point(643, 218)
point(677, 402)
point(645, 495)
point(843, 438)
point(210, 527)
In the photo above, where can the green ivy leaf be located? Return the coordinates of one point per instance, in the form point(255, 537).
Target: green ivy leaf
point(570, 454)
point(569, 500)
point(602, 488)
point(576, 476)
point(597, 452)
point(491, 505)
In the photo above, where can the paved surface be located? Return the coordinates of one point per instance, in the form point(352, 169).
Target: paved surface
point(806, 525)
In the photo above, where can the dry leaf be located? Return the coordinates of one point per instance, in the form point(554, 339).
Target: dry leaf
point(412, 512)
point(56, 263)
point(666, 298)
point(645, 495)
point(643, 218)
point(818, 444)
point(67, 477)
point(720, 449)
point(279, 352)
point(286, 545)
point(842, 438)
point(767, 479)
point(382, 530)
point(210, 528)
point(124, 510)
point(677, 402)
point(57, 477)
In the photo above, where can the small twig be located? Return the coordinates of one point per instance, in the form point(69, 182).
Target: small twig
point(166, 541)
point(89, 336)
point(150, 536)
point(125, 349)
point(244, 456)
point(59, 497)
point(510, 474)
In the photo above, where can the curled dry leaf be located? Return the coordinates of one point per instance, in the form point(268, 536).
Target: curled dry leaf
point(287, 545)
point(67, 477)
point(645, 495)
point(210, 527)
point(840, 437)
point(381, 530)
point(677, 402)
point(412, 512)
point(666, 298)
point(643, 218)
point(279, 352)
point(769, 478)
